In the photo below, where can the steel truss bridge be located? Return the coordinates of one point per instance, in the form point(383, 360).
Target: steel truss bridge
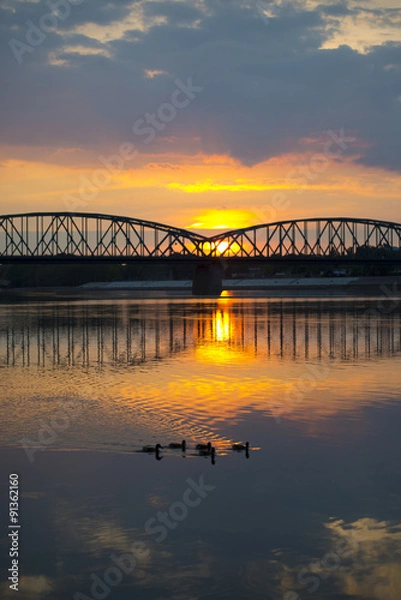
point(86, 237)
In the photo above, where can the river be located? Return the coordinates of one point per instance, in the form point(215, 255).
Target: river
point(312, 509)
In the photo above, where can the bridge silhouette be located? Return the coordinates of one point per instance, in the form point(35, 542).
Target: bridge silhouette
point(86, 238)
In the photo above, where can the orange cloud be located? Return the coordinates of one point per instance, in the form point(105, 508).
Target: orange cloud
point(210, 192)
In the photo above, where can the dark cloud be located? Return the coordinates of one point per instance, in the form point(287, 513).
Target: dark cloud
point(267, 83)
point(89, 11)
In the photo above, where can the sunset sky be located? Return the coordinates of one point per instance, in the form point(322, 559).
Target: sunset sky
point(202, 113)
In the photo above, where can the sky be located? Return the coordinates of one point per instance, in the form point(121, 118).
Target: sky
point(204, 114)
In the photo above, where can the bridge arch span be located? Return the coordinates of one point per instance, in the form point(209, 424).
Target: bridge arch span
point(80, 235)
point(310, 238)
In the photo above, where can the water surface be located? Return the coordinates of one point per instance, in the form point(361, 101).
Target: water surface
point(312, 384)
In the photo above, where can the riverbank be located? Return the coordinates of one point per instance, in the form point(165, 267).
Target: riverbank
point(273, 287)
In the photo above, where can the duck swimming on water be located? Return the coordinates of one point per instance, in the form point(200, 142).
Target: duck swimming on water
point(207, 447)
point(178, 446)
point(152, 450)
point(208, 451)
point(240, 447)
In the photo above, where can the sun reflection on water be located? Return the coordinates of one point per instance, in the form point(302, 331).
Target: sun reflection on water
point(222, 326)
point(157, 372)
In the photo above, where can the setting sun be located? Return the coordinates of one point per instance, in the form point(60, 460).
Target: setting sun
point(221, 247)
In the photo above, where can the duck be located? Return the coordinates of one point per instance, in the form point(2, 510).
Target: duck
point(240, 447)
point(207, 447)
point(152, 450)
point(208, 451)
point(178, 446)
point(211, 453)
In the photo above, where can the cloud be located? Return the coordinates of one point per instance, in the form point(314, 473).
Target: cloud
point(361, 560)
point(175, 12)
point(266, 85)
point(101, 12)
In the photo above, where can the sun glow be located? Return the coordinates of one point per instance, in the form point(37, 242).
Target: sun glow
point(222, 247)
point(218, 345)
point(224, 219)
point(222, 327)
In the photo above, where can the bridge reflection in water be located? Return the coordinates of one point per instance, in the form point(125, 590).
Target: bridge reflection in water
point(68, 335)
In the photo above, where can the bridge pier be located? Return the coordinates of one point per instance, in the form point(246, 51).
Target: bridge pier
point(207, 280)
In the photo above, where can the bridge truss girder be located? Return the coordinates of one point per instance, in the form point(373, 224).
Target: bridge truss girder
point(86, 237)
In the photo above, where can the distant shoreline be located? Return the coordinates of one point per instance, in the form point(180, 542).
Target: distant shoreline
point(273, 287)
